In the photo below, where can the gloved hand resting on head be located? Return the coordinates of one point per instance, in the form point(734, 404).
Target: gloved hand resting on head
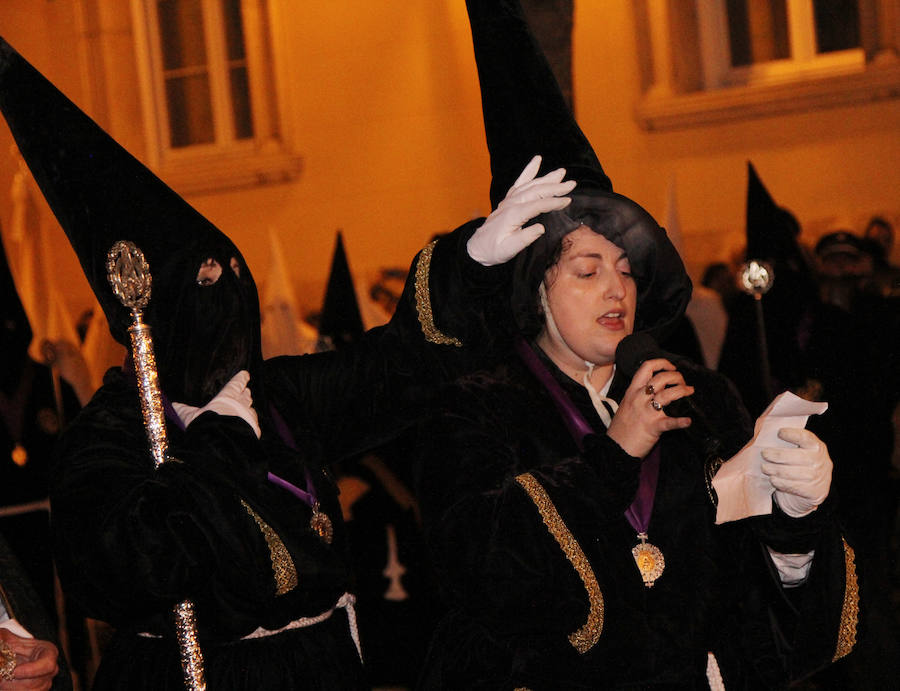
point(801, 475)
point(234, 399)
point(502, 236)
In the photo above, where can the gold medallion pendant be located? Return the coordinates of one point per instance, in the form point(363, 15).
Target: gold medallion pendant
point(321, 524)
point(649, 560)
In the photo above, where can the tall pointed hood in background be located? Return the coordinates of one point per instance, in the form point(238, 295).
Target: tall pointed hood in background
point(340, 320)
point(15, 331)
point(100, 194)
point(772, 236)
point(526, 114)
point(32, 235)
point(524, 109)
point(283, 331)
point(772, 230)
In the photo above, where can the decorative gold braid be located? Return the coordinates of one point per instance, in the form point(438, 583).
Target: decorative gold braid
point(587, 636)
point(423, 300)
point(282, 565)
point(850, 610)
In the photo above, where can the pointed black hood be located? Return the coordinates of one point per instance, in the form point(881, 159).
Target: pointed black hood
point(341, 320)
point(100, 194)
point(772, 236)
point(15, 330)
point(526, 114)
point(524, 109)
point(772, 230)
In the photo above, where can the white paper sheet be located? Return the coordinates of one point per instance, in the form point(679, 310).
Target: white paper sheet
point(743, 489)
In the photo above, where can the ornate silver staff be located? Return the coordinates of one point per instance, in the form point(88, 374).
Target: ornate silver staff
point(756, 278)
point(129, 276)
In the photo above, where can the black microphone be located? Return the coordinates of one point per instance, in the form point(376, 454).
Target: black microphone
point(637, 348)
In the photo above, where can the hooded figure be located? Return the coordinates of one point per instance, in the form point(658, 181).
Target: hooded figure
point(203, 332)
point(245, 523)
point(788, 307)
point(565, 488)
point(340, 322)
point(512, 70)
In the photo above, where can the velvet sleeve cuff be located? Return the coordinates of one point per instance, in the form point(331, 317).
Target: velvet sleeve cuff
point(456, 300)
point(788, 535)
point(223, 446)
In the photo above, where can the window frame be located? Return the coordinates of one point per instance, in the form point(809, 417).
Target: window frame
point(804, 62)
point(685, 90)
point(227, 162)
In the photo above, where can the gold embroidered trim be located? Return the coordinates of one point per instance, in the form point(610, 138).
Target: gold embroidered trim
point(282, 565)
point(850, 610)
point(587, 636)
point(423, 300)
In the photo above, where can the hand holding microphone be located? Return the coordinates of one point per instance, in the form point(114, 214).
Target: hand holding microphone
point(641, 417)
point(653, 376)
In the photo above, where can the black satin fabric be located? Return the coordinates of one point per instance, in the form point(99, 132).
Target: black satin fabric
point(514, 598)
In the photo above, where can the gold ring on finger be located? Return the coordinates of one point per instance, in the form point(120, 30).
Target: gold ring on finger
point(8, 662)
point(649, 390)
point(656, 405)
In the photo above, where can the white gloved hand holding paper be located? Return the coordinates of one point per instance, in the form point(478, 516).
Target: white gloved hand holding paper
point(801, 474)
point(234, 399)
point(502, 236)
point(781, 459)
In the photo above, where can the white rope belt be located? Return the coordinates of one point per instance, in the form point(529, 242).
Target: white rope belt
point(346, 601)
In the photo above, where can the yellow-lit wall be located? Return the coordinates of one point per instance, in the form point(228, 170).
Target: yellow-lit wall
point(385, 111)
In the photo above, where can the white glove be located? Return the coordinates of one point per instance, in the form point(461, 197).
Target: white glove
point(801, 476)
point(234, 399)
point(502, 237)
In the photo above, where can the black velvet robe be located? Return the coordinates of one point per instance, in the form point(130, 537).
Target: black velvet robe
point(133, 540)
point(515, 597)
